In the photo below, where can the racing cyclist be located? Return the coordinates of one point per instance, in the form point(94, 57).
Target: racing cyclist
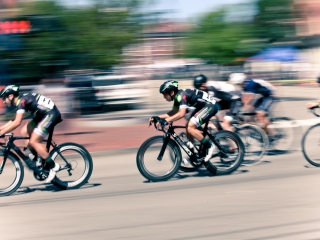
point(230, 99)
point(205, 108)
point(252, 88)
point(46, 116)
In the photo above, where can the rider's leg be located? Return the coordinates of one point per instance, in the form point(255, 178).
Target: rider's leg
point(262, 114)
point(196, 121)
point(26, 131)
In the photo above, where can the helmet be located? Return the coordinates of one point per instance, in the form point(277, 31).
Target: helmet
point(318, 80)
point(198, 80)
point(168, 86)
point(237, 78)
point(10, 89)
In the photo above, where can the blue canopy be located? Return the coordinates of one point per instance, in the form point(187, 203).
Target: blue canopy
point(280, 54)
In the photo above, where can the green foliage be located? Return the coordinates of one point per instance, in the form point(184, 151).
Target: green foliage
point(218, 41)
point(78, 37)
point(275, 19)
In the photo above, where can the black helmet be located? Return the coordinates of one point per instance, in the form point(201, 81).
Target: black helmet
point(168, 86)
point(198, 80)
point(10, 89)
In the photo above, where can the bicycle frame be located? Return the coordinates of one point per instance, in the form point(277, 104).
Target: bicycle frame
point(170, 132)
point(10, 145)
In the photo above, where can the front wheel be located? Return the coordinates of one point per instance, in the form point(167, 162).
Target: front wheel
point(151, 167)
point(311, 144)
point(11, 176)
point(228, 159)
point(76, 165)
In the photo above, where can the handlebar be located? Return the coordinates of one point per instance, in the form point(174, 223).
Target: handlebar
point(155, 121)
point(7, 134)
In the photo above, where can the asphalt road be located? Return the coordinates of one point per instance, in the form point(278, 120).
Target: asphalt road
point(277, 199)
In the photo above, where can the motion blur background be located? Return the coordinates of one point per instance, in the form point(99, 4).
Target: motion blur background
point(98, 57)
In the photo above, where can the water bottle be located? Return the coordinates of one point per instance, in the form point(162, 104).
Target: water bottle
point(29, 154)
point(190, 145)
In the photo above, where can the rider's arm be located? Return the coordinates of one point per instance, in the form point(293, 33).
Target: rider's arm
point(6, 125)
point(13, 124)
point(169, 114)
point(180, 114)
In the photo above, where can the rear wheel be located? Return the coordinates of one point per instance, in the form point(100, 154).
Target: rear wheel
point(151, 167)
point(255, 141)
point(76, 165)
point(281, 132)
point(233, 147)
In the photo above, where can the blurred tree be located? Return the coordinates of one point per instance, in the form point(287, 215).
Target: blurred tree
point(91, 37)
point(219, 41)
point(275, 19)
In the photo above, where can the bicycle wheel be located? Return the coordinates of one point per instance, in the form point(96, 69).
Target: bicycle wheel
point(152, 168)
point(76, 165)
point(186, 164)
point(234, 148)
point(11, 176)
point(311, 145)
point(255, 141)
point(281, 133)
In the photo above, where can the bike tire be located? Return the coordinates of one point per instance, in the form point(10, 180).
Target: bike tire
point(158, 170)
point(283, 129)
point(73, 152)
point(256, 143)
point(15, 166)
point(228, 165)
point(310, 144)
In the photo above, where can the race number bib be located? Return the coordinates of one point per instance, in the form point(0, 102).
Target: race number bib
point(45, 102)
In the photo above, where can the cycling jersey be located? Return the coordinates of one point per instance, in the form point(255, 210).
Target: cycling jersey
point(258, 86)
point(204, 105)
point(46, 114)
point(192, 98)
point(223, 91)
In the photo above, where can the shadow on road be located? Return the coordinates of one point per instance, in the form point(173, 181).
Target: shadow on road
point(49, 188)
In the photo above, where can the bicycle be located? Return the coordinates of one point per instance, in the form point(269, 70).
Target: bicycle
point(310, 143)
point(280, 131)
point(254, 138)
point(59, 153)
point(160, 149)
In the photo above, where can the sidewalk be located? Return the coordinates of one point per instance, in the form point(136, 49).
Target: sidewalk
point(97, 139)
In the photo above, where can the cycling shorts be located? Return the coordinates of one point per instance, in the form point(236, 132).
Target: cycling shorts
point(43, 124)
point(204, 114)
point(264, 103)
point(233, 106)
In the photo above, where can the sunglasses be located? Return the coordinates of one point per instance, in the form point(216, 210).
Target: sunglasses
point(165, 94)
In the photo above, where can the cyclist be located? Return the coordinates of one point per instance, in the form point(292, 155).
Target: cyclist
point(230, 99)
point(182, 99)
point(46, 115)
point(253, 88)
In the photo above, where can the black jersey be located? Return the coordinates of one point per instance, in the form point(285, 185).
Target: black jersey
point(192, 98)
point(35, 104)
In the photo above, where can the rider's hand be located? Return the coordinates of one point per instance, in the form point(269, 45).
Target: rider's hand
point(163, 122)
point(311, 105)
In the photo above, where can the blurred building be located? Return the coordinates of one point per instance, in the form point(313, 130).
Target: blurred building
point(160, 42)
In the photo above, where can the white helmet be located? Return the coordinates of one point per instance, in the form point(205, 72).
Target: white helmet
point(237, 78)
